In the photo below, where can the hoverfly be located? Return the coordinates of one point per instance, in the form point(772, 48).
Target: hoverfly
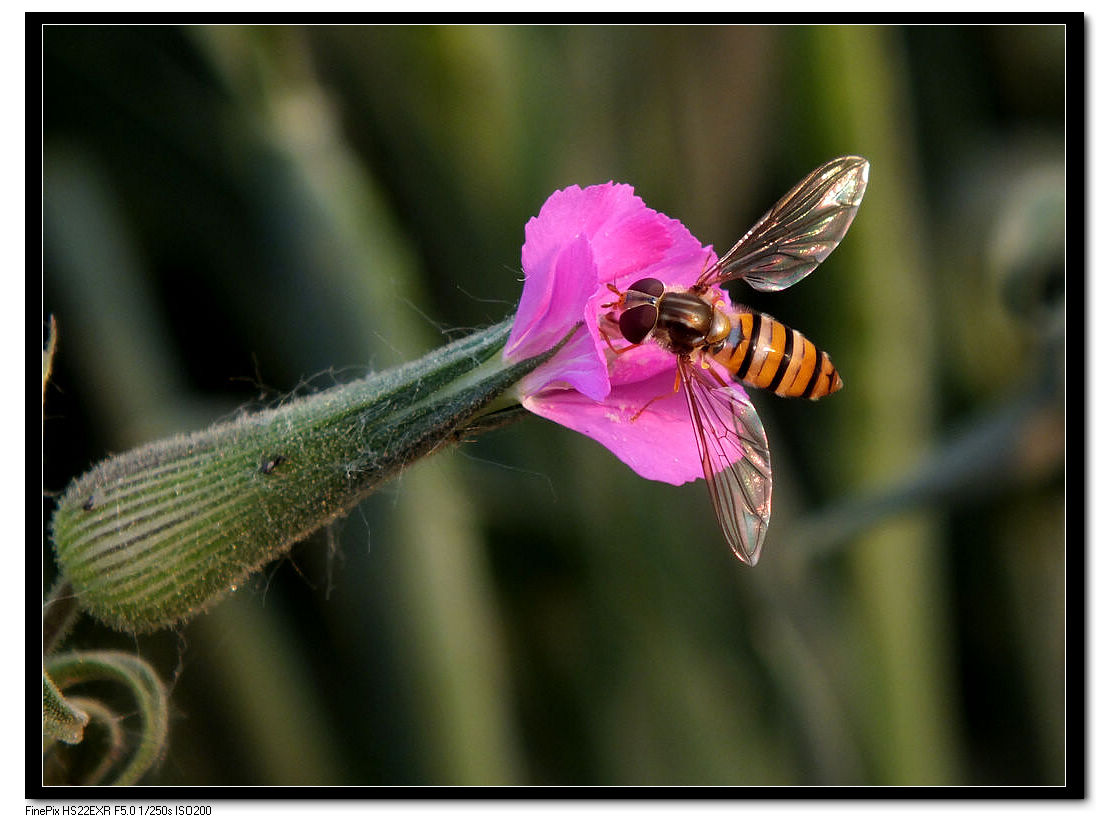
point(783, 247)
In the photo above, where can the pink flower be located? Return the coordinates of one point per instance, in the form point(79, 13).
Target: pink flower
point(583, 240)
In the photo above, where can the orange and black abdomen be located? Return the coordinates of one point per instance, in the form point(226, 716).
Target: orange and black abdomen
point(766, 354)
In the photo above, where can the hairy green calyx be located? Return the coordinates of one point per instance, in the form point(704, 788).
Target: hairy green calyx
point(149, 537)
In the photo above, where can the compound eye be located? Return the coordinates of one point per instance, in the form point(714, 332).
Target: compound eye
point(648, 285)
point(636, 323)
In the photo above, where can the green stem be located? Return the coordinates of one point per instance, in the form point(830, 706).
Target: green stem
point(69, 669)
point(59, 611)
point(153, 535)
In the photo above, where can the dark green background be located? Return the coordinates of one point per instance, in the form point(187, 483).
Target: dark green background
point(235, 213)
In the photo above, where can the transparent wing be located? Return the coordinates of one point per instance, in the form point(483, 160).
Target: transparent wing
point(799, 232)
point(734, 456)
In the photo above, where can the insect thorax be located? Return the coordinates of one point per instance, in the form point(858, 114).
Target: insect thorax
point(686, 322)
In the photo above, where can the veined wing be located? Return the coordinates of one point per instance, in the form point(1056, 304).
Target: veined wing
point(734, 457)
point(799, 232)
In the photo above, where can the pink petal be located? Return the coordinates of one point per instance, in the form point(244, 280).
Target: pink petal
point(553, 300)
point(610, 216)
point(581, 241)
point(659, 444)
point(577, 365)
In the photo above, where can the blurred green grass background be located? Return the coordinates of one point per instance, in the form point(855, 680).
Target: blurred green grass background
point(232, 213)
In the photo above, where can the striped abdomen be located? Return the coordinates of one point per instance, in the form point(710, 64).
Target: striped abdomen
point(766, 354)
